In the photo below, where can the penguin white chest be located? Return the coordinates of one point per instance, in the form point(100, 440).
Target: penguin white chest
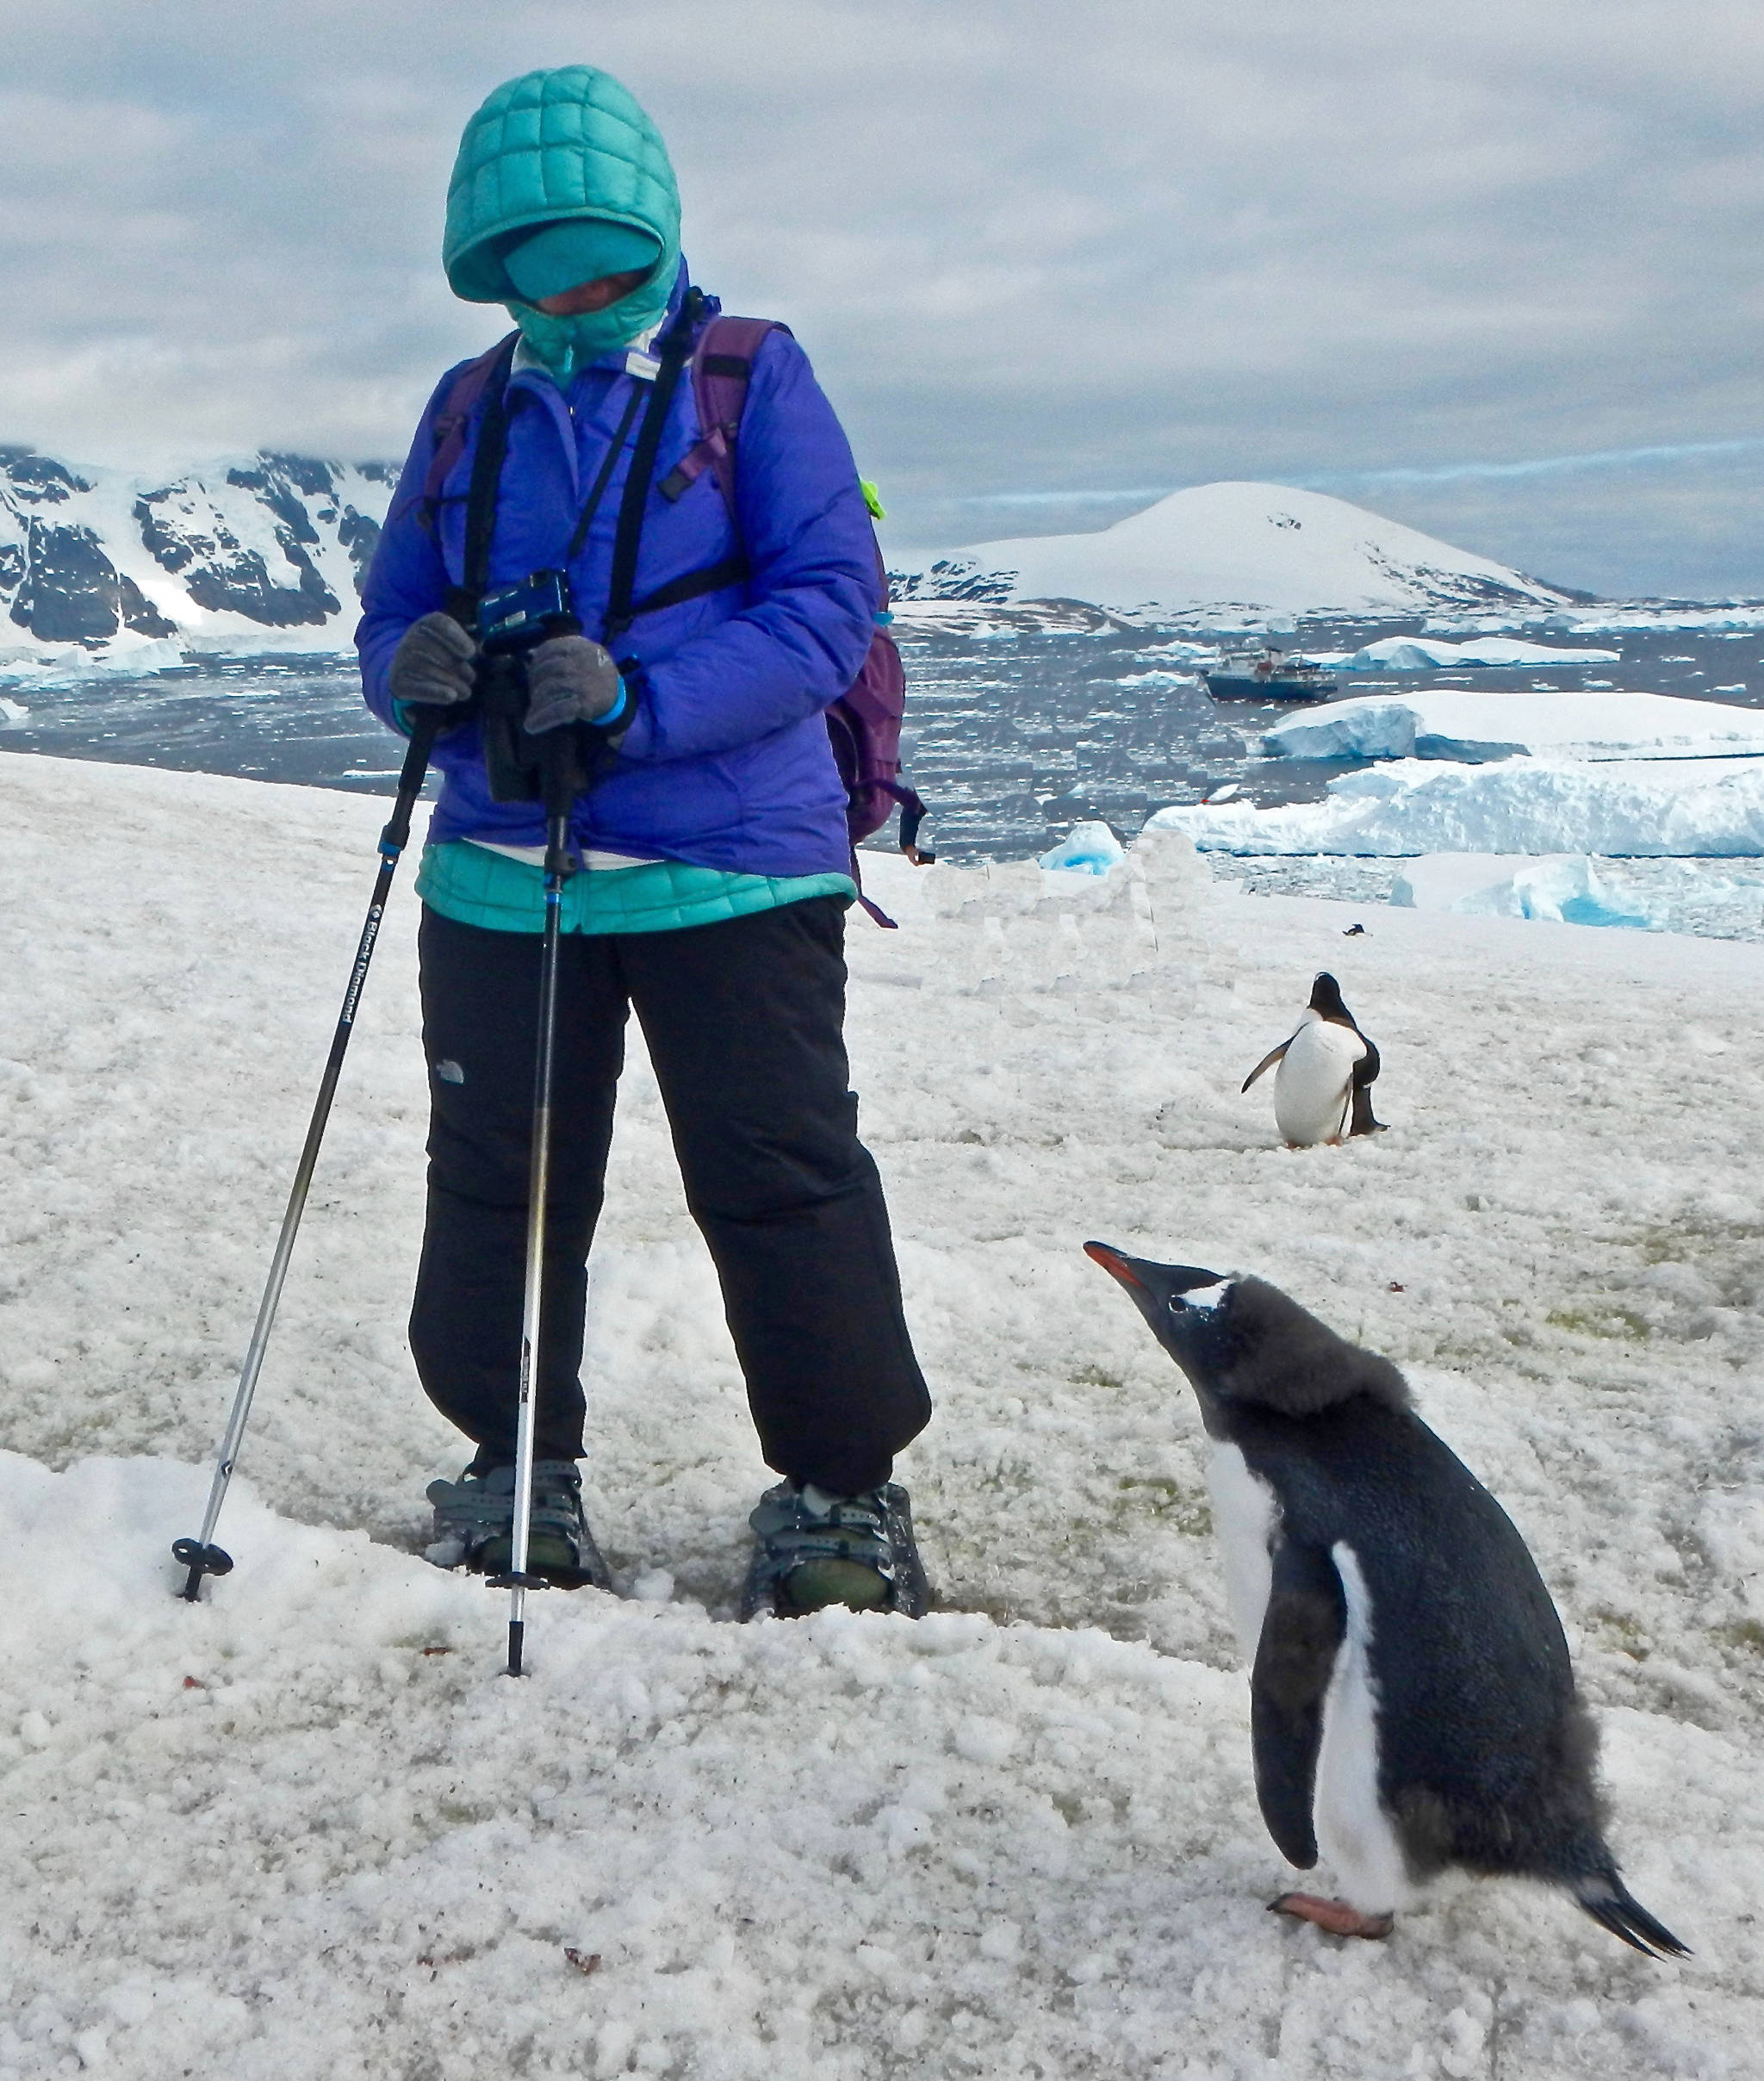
point(1244, 1513)
point(1353, 1830)
point(1312, 1085)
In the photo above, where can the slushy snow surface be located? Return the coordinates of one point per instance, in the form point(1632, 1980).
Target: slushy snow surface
point(1446, 723)
point(307, 1828)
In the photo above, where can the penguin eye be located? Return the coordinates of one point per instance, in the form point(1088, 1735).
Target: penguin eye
point(1176, 1304)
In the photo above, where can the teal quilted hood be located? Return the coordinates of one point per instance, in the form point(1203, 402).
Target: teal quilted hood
point(550, 146)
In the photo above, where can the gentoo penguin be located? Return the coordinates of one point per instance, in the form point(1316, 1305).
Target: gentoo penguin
point(1324, 1083)
point(1411, 1702)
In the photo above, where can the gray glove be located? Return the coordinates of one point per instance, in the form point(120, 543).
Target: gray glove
point(433, 664)
point(570, 680)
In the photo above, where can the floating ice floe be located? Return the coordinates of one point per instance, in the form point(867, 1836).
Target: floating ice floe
point(127, 656)
point(1090, 848)
point(1429, 654)
point(1646, 895)
point(1182, 651)
point(1706, 809)
point(1567, 890)
point(1725, 618)
point(1470, 727)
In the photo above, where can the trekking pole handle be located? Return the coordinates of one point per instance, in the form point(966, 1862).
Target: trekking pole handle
point(411, 776)
point(562, 779)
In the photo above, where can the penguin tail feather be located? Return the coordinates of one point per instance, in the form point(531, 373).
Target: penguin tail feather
point(1614, 1907)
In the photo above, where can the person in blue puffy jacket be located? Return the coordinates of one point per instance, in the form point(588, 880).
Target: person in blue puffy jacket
point(716, 866)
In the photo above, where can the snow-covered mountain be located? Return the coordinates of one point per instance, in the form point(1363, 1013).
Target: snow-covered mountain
point(97, 565)
point(1232, 555)
point(266, 552)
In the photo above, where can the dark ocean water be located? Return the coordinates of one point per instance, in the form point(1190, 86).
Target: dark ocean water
point(1013, 735)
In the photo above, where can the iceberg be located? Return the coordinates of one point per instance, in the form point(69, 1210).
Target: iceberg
point(1728, 618)
point(1652, 895)
point(1090, 848)
point(1428, 654)
point(127, 656)
point(1566, 890)
point(1472, 727)
point(1704, 809)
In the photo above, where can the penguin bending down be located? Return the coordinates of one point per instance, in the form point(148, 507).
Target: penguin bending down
point(1412, 1706)
point(1324, 1083)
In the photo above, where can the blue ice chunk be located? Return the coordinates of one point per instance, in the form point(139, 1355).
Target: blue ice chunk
point(1087, 849)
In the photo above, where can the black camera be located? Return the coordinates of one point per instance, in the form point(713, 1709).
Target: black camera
point(516, 617)
point(512, 620)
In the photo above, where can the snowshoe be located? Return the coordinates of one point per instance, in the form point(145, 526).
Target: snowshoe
point(474, 1526)
point(812, 1550)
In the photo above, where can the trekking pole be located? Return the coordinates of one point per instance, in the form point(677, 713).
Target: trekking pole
point(199, 1556)
point(561, 780)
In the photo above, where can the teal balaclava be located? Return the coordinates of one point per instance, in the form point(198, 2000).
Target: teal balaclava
point(560, 178)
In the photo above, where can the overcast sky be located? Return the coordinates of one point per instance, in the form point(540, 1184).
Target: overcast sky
point(1495, 270)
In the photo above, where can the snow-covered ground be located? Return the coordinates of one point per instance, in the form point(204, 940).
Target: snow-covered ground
point(1450, 723)
point(307, 1829)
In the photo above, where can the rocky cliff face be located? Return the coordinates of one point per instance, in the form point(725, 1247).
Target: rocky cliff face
point(104, 560)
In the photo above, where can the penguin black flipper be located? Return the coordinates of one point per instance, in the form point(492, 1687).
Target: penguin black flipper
point(1302, 1630)
point(1365, 1074)
point(1610, 1905)
point(1268, 1060)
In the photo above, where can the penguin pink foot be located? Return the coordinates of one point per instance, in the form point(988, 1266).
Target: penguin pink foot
point(1335, 1915)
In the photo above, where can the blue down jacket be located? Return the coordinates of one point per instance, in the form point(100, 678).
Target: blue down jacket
point(728, 763)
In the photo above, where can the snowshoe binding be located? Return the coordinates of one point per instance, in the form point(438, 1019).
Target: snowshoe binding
point(474, 1526)
point(812, 1550)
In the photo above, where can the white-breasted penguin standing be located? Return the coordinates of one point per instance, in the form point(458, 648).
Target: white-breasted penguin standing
point(1412, 1705)
point(1323, 1088)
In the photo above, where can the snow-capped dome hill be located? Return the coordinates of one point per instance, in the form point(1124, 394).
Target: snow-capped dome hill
point(266, 552)
point(1230, 555)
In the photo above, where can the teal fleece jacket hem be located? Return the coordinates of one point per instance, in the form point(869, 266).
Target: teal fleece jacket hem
point(473, 886)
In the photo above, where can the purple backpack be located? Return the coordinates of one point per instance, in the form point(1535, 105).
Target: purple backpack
point(864, 723)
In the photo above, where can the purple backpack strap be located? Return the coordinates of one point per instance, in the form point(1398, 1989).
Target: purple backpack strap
point(723, 363)
point(450, 424)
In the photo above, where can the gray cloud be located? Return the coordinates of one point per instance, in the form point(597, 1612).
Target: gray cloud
point(1034, 249)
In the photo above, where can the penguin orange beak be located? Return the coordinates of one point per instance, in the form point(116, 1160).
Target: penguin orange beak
point(1115, 1264)
point(1155, 1290)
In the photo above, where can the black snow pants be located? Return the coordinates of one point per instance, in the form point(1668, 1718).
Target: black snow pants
point(743, 1021)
